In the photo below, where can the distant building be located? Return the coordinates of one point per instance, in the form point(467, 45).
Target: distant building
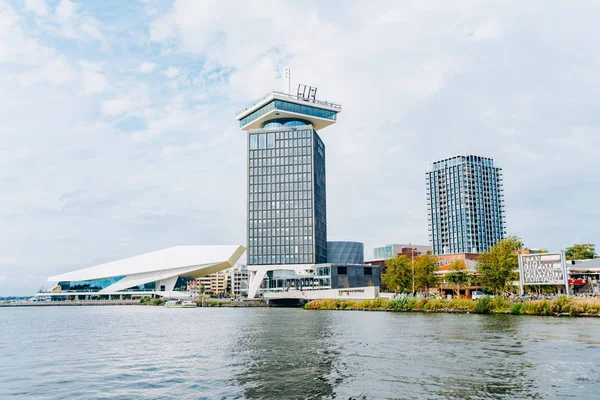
point(238, 281)
point(217, 284)
point(345, 253)
point(447, 259)
point(465, 204)
point(390, 250)
point(163, 273)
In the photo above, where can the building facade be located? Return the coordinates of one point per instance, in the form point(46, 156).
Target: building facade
point(215, 284)
point(390, 250)
point(287, 211)
point(163, 273)
point(239, 281)
point(465, 204)
point(345, 253)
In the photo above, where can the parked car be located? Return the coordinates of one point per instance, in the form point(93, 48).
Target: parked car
point(476, 294)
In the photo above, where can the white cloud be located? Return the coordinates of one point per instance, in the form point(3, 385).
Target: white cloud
point(172, 72)
point(117, 106)
point(66, 9)
point(55, 71)
point(92, 80)
point(39, 7)
point(15, 45)
point(147, 67)
point(418, 81)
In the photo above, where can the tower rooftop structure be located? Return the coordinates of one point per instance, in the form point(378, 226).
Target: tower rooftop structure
point(280, 106)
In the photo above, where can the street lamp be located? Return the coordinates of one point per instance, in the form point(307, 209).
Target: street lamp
point(412, 257)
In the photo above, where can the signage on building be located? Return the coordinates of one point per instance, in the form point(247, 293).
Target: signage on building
point(543, 269)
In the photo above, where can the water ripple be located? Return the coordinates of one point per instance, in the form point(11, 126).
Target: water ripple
point(154, 352)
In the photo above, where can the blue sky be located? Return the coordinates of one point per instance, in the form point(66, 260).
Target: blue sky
point(117, 130)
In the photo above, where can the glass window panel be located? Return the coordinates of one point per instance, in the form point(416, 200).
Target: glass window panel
point(262, 142)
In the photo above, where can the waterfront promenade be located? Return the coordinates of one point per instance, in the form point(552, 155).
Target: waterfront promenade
point(72, 303)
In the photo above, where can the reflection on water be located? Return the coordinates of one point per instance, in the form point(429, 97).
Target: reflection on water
point(287, 353)
point(154, 352)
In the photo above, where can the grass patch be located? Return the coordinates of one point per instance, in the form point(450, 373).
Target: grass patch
point(486, 305)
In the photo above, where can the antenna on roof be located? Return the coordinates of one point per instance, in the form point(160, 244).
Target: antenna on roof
point(287, 80)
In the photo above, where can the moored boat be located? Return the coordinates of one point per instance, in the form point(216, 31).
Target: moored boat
point(181, 304)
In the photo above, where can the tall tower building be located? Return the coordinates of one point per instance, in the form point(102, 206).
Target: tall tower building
point(287, 213)
point(465, 204)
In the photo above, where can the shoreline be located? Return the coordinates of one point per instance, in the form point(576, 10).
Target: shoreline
point(559, 307)
point(104, 303)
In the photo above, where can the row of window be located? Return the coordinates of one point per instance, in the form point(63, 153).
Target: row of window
point(276, 156)
point(304, 109)
point(278, 250)
point(281, 205)
point(282, 222)
point(264, 195)
point(280, 241)
point(277, 188)
point(281, 259)
point(275, 232)
point(272, 140)
point(278, 214)
point(278, 161)
point(289, 177)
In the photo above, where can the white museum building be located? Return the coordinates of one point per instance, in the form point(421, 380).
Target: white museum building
point(162, 273)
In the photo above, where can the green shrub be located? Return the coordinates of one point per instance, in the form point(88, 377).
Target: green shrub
point(157, 302)
point(483, 306)
point(560, 305)
point(397, 304)
point(516, 308)
point(435, 304)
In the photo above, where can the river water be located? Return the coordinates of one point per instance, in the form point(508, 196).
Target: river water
point(135, 352)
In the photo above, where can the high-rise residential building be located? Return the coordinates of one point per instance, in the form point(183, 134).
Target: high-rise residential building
point(287, 216)
point(465, 204)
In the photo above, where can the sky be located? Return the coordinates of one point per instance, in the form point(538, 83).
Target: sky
point(118, 136)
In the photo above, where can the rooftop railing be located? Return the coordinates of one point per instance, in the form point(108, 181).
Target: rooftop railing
point(292, 97)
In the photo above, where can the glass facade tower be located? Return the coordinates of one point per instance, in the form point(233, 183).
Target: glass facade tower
point(287, 212)
point(465, 204)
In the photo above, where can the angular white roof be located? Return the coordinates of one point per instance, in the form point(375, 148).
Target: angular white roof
point(190, 259)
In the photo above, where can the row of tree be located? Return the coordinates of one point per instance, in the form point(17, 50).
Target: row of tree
point(496, 268)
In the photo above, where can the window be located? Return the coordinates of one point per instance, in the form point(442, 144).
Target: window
point(262, 141)
point(368, 270)
point(342, 270)
point(253, 144)
point(270, 140)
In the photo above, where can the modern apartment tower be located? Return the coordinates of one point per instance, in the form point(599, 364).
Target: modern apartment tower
point(465, 204)
point(287, 216)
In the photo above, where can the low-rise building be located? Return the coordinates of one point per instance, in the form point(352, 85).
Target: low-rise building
point(238, 281)
point(163, 273)
point(216, 284)
point(391, 250)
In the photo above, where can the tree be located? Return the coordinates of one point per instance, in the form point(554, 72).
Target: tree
point(398, 273)
point(496, 267)
point(580, 251)
point(459, 275)
point(426, 267)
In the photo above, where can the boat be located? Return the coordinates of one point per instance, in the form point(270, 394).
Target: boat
point(181, 304)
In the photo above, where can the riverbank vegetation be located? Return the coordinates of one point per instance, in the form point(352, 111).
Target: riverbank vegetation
point(574, 306)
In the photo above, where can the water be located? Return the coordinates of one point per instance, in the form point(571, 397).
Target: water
point(133, 352)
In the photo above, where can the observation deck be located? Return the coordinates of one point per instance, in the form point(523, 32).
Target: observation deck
point(279, 105)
